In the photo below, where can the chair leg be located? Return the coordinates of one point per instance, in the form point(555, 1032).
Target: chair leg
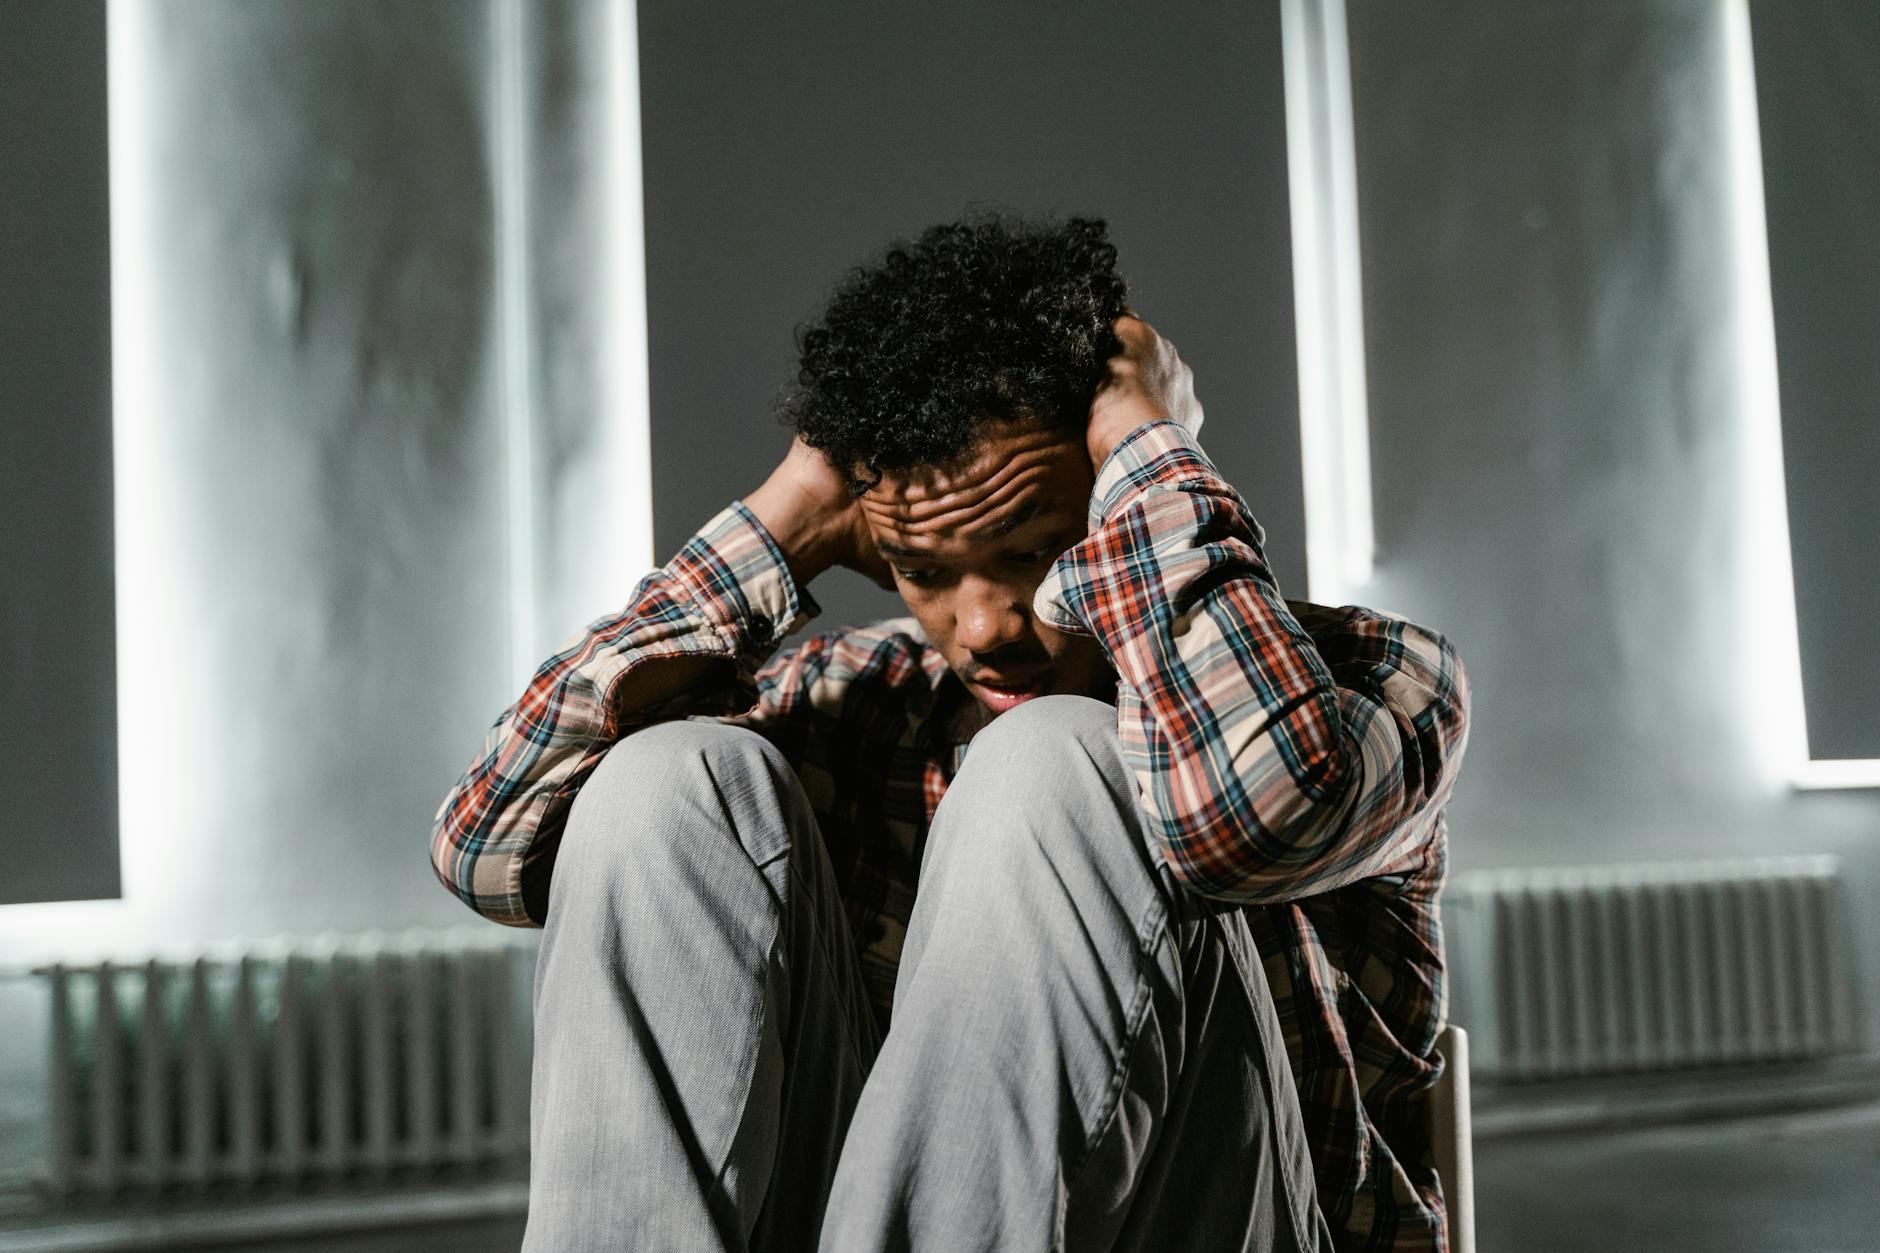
point(1450, 1138)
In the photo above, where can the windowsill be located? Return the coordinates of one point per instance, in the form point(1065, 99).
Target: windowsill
point(1818, 776)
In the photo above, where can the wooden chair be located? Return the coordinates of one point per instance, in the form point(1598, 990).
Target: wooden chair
point(1449, 1137)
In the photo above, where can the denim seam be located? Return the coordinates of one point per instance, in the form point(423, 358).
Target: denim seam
point(719, 1198)
point(821, 948)
point(1145, 947)
point(819, 940)
point(1303, 1227)
point(799, 883)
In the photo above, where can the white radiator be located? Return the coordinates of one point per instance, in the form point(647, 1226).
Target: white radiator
point(1600, 970)
point(290, 1062)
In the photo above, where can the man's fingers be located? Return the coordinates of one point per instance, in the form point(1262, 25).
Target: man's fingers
point(1150, 363)
point(1133, 332)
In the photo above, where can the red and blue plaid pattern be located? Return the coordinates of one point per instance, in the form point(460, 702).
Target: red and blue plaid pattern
point(1293, 758)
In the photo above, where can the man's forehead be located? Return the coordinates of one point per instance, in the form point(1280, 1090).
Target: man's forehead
point(1003, 485)
point(984, 464)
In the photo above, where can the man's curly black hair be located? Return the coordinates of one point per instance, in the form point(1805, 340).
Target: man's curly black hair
point(993, 317)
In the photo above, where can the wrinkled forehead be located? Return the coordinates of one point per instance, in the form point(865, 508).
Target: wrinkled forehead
point(1010, 477)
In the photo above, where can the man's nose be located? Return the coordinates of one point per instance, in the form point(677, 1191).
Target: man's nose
point(990, 617)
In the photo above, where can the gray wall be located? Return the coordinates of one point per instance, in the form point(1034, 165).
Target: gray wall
point(1557, 417)
point(58, 672)
point(784, 143)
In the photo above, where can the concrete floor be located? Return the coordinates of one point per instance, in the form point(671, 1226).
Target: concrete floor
point(1792, 1183)
point(1777, 1184)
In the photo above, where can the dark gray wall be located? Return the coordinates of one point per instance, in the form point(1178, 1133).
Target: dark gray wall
point(784, 143)
point(58, 634)
point(1818, 101)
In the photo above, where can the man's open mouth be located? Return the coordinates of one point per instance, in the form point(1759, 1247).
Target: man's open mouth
point(1004, 693)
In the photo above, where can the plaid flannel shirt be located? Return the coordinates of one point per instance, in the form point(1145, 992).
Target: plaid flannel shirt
point(1293, 758)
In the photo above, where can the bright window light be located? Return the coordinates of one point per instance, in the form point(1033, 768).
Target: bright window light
point(1334, 425)
point(515, 357)
point(1771, 660)
point(1853, 773)
point(623, 444)
point(629, 440)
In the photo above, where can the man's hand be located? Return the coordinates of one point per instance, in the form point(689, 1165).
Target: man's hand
point(806, 507)
point(1147, 381)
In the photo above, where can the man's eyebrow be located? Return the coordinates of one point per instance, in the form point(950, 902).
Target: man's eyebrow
point(887, 549)
point(1025, 514)
point(1004, 527)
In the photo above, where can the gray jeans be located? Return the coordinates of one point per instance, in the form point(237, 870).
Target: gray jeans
point(1083, 1056)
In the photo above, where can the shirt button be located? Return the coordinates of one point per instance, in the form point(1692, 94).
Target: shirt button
point(760, 627)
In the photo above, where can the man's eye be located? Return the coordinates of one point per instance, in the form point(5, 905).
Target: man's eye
point(1037, 558)
point(917, 577)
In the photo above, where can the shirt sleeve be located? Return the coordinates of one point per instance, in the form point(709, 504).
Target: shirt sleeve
point(1265, 775)
point(728, 593)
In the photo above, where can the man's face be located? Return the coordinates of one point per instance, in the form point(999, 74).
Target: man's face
point(969, 545)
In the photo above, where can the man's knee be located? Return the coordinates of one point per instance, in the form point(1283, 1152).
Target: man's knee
point(661, 791)
point(1048, 772)
point(1045, 731)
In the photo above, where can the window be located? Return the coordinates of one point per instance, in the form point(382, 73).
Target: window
point(58, 679)
point(1818, 110)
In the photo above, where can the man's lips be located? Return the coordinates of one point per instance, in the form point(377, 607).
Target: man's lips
point(1010, 691)
point(1014, 683)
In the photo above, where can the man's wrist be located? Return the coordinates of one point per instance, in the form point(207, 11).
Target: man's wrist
point(1113, 422)
point(1102, 441)
point(793, 530)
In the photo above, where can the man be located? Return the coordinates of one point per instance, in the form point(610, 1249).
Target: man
point(1138, 859)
